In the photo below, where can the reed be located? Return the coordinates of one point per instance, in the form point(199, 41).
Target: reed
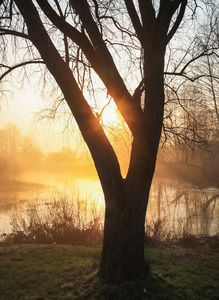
point(58, 217)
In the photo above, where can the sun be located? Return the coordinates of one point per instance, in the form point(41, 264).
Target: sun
point(109, 114)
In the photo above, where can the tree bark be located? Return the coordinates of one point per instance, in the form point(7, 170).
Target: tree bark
point(123, 245)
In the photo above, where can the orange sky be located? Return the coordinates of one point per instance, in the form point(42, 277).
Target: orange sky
point(21, 108)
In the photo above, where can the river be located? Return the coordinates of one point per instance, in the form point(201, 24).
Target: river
point(178, 208)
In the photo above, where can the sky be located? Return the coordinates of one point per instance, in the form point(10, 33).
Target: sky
point(21, 109)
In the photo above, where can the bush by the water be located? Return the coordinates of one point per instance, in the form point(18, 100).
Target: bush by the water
point(62, 219)
point(68, 218)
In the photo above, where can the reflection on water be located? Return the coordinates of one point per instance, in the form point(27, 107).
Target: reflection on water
point(181, 208)
point(14, 203)
point(185, 209)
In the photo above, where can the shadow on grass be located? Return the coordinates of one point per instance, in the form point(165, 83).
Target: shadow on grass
point(64, 272)
point(153, 288)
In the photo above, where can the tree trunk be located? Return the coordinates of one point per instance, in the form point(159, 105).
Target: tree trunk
point(126, 200)
point(123, 246)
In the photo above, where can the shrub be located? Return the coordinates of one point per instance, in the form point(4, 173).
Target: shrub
point(62, 219)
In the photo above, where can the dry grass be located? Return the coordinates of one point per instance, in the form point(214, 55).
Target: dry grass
point(58, 218)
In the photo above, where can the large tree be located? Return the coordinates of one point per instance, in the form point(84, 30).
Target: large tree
point(80, 41)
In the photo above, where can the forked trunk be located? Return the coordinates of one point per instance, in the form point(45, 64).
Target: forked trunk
point(126, 200)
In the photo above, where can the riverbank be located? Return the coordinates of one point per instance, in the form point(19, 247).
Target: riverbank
point(59, 272)
point(11, 189)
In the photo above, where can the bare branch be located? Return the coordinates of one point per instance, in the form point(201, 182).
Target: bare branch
point(177, 22)
point(204, 53)
point(135, 20)
point(164, 17)
point(10, 69)
point(76, 36)
point(138, 92)
point(182, 73)
point(192, 79)
point(13, 33)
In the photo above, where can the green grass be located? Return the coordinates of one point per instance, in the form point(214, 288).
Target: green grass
point(37, 272)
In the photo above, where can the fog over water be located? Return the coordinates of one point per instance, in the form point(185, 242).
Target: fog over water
point(183, 199)
point(181, 209)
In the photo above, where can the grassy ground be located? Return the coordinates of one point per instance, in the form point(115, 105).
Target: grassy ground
point(37, 272)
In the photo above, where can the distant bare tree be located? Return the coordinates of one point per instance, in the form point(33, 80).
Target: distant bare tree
point(9, 152)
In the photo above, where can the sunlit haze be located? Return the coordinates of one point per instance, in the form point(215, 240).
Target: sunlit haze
point(22, 108)
point(109, 114)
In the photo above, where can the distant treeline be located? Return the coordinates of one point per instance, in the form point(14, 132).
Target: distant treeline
point(198, 166)
point(20, 154)
point(16, 152)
